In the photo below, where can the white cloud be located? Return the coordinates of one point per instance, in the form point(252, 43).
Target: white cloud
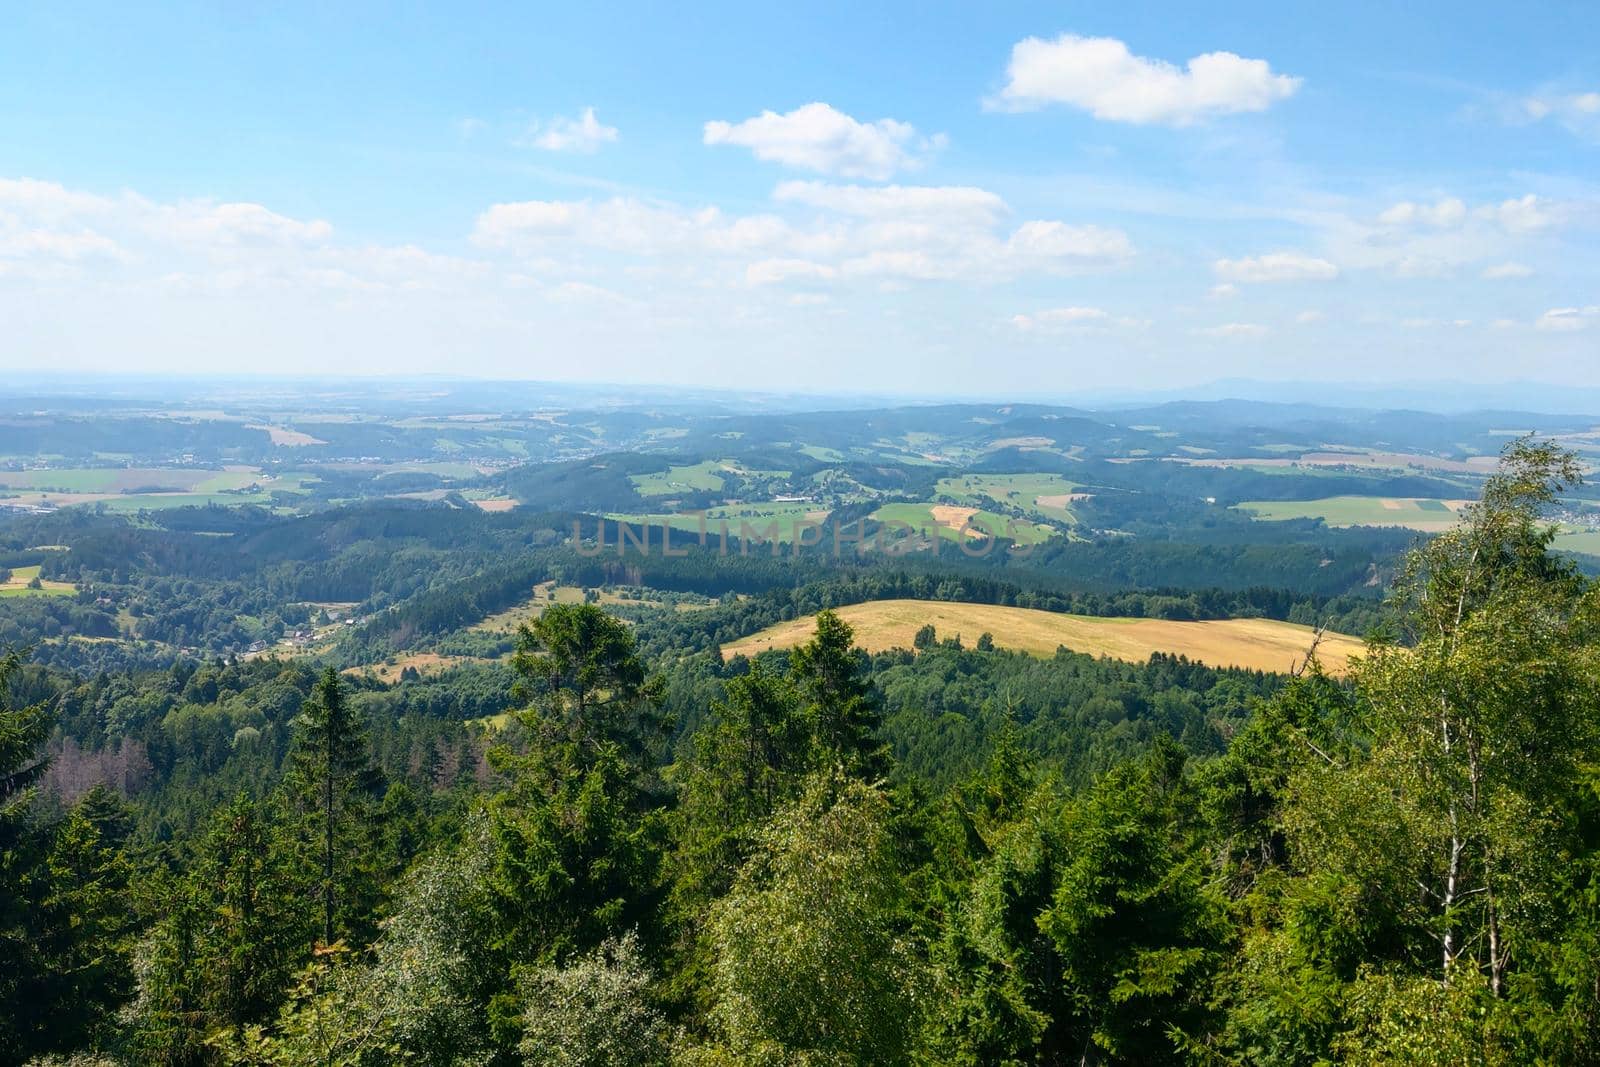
point(1101, 76)
point(624, 224)
point(1500, 271)
point(1223, 291)
point(1565, 320)
point(1232, 330)
point(777, 271)
point(1042, 240)
point(820, 138)
point(236, 224)
point(1062, 317)
point(584, 134)
point(1430, 324)
point(130, 245)
point(48, 201)
point(582, 293)
point(1306, 318)
point(904, 232)
point(1442, 215)
point(1276, 267)
point(1524, 214)
point(1579, 111)
point(879, 201)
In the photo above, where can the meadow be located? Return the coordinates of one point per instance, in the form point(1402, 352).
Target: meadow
point(1047, 496)
point(785, 517)
point(1576, 540)
point(131, 489)
point(1257, 644)
point(948, 520)
point(18, 584)
point(1424, 515)
point(705, 476)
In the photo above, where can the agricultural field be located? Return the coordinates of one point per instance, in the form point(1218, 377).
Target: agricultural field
point(950, 519)
point(1361, 459)
point(1572, 539)
point(128, 489)
point(1047, 496)
point(21, 578)
point(705, 476)
point(1424, 515)
point(785, 517)
point(130, 479)
point(1257, 644)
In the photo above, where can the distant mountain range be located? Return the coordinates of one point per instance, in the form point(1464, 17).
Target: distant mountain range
point(442, 393)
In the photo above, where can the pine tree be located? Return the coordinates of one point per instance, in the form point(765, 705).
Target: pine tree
point(333, 780)
point(830, 676)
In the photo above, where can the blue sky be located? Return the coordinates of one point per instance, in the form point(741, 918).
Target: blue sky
point(994, 198)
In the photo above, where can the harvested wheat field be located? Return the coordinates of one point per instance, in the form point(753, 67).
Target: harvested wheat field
point(1258, 644)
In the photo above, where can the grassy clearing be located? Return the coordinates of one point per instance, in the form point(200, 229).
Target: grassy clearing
point(705, 476)
point(948, 520)
point(1258, 644)
point(284, 437)
point(763, 518)
point(1426, 515)
point(1575, 540)
point(1047, 496)
point(18, 584)
point(547, 593)
point(424, 663)
point(131, 489)
point(129, 479)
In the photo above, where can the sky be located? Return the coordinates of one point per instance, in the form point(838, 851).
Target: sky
point(918, 198)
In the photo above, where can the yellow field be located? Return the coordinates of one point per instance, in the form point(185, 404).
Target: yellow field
point(507, 621)
point(1259, 644)
point(426, 663)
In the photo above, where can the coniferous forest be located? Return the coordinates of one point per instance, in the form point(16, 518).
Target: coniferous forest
point(946, 855)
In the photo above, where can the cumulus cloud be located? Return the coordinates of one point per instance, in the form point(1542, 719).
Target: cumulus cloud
point(1276, 267)
point(1567, 320)
point(625, 224)
point(1524, 214)
point(917, 233)
point(903, 201)
point(778, 271)
point(1062, 317)
point(1443, 214)
point(1101, 76)
point(584, 134)
point(235, 225)
point(135, 244)
point(820, 138)
point(1042, 240)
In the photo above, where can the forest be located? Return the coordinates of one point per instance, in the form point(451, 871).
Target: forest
point(618, 849)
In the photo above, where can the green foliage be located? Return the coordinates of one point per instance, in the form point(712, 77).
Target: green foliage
point(334, 787)
point(594, 1012)
point(813, 961)
point(837, 695)
point(964, 857)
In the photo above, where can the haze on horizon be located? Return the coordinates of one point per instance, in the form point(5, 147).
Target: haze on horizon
point(1012, 200)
